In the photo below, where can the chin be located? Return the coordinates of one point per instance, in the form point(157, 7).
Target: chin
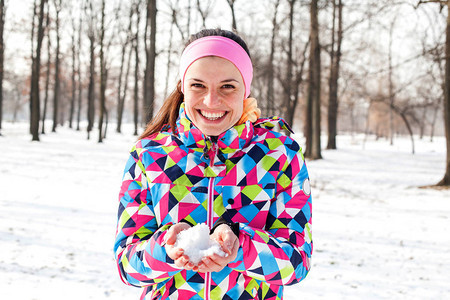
point(212, 133)
point(214, 129)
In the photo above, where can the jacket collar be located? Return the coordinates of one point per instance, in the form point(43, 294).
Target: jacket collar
point(235, 138)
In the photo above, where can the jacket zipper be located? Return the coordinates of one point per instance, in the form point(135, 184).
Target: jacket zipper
point(210, 211)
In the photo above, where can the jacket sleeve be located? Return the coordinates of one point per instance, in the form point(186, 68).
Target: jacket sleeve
point(139, 248)
point(281, 253)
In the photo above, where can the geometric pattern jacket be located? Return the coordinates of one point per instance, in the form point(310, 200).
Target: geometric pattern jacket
point(252, 175)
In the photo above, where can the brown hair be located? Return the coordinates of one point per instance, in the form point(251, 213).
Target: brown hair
point(168, 114)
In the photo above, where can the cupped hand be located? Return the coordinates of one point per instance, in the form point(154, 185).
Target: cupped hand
point(176, 253)
point(229, 243)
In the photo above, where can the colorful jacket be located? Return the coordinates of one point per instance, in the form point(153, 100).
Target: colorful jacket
point(252, 175)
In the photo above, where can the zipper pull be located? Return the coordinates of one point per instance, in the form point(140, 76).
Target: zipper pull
point(205, 152)
point(205, 149)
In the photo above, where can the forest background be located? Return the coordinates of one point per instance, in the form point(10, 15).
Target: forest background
point(376, 67)
point(371, 76)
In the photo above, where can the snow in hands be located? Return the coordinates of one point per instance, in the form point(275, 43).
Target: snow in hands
point(196, 243)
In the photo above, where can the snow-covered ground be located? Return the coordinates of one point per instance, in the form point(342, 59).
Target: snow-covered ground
point(377, 235)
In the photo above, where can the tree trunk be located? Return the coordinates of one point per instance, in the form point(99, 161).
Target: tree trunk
point(402, 115)
point(288, 114)
point(102, 75)
point(106, 116)
point(446, 179)
point(433, 121)
point(422, 122)
point(203, 13)
point(32, 43)
point(188, 21)
point(122, 88)
point(136, 75)
point(169, 58)
point(47, 75)
point(136, 85)
point(74, 71)
point(150, 51)
point(2, 51)
point(335, 58)
point(233, 15)
point(177, 24)
point(270, 111)
point(313, 148)
point(125, 91)
point(36, 64)
point(391, 86)
point(57, 61)
point(298, 81)
point(80, 86)
point(91, 88)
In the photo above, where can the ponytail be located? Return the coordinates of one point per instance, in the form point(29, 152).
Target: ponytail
point(167, 115)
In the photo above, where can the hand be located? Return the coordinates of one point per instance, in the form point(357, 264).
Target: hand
point(251, 111)
point(175, 253)
point(230, 245)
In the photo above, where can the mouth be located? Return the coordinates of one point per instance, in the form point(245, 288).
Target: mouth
point(212, 116)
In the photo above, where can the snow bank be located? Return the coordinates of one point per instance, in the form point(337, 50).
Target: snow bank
point(377, 235)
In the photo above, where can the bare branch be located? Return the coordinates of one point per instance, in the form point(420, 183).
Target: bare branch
point(441, 2)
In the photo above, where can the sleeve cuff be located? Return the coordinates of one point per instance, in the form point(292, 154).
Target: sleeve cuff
point(186, 221)
point(234, 226)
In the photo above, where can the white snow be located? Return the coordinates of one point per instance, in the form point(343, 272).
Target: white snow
point(197, 244)
point(376, 234)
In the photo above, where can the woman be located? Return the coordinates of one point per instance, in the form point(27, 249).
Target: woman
point(199, 161)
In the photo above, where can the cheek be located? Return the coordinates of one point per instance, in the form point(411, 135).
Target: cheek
point(188, 104)
point(238, 108)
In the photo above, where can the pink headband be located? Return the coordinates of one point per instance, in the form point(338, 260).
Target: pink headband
point(222, 47)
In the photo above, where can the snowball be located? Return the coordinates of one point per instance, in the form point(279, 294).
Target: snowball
point(197, 244)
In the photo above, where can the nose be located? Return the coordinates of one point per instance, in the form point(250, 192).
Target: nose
point(212, 99)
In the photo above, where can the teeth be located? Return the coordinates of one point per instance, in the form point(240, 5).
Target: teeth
point(212, 116)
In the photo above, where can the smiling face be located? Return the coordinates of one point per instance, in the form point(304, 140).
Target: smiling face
point(213, 94)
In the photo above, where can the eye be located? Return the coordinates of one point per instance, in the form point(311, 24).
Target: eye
point(228, 86)
point(197, 85)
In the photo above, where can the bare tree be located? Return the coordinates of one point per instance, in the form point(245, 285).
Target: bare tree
point(35, 67)
point(56, 92)
point(17, 93)
point(174, 7)
point(102, 74)
point(204, 12)
point(391, 83)
point(335, 59)
point(169, 55)
point(270, 109)
point(136, 73)
point(288, 81)
point(445, 181)
point(313, 148)
point(47, 73)
point(150, 55)
point(188, 21)
point(80, 86)
point(74, 72)
point(436, 59)
point(233, 15)
point(91, 88)
point(123, 82)
point(2, 51)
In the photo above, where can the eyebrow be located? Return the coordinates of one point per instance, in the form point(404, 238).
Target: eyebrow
point(226, 80)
